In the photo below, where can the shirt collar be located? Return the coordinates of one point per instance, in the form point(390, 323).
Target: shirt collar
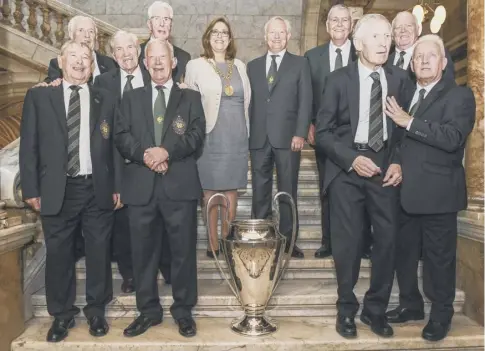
point(168, 84)
point(345, 47)
point(409, 51)
point(66, 85)
point(427, 88)
point(280, 54)
point(365, 72)
point(135, 73)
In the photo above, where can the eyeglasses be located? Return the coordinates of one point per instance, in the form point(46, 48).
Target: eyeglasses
point(216, 33)
point(159, 19)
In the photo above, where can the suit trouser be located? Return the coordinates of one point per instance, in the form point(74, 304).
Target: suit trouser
point(121, 245)
point(287, 167)
point(435, 235)
point(79, 210)
point(350, 197)
point(148, 224)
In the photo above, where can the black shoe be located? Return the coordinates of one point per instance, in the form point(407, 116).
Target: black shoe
point(402, 315)
point(435, 331)
point(140, 325)
point(128, 286)
point(211, 255)
point(187, 327)
point(378, 324)
point(345, 326)
point(98, 326)
point(323, 251)
point(297, 253)
point(366, 255)
point(59, 329)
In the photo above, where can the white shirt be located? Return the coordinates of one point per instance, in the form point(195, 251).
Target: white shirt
point(407, 57)
point(365, 81)
point(96, 71)
point(277, 59)
point(136, 82)
point(345, 53)
point(416, 97)
point(85, 165)
point(166, 91)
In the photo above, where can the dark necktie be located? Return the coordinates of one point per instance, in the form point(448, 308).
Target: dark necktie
point(273, 68)
point(338, 59)
point(128, 85)
point(159, 109)
point(376, 136)
point(73, 129)
point(400, 60)
point(415, 107)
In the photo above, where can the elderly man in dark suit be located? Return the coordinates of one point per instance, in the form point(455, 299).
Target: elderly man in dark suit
point(323, 59)
point(362, 171)
point(160, 21)
point(279, 117)
point(68, 173)
point(440, 118)
point(160, 131)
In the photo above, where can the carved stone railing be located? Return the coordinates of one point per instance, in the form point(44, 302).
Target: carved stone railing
point(47, 21)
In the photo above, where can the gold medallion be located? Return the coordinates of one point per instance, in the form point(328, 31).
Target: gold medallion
point(160, 119)
point(229, 90)
point(270, 79)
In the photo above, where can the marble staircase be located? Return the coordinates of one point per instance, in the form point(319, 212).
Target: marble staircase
point(303, 305)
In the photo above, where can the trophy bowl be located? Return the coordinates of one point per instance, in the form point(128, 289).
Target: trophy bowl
point(255, 254)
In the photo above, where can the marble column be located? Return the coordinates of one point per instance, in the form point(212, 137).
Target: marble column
point(475, 72)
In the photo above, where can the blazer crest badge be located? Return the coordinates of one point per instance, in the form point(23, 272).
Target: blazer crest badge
point(179, 126)
point(104, 127)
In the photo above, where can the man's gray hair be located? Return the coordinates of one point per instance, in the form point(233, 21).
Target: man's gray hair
point(274, 18)
point(416, 22)
point(361, 25)
point(338, 7)
point(123, 34)
point(165, 42)
point(73, 23)
point(70, 43)
point(158, 5)
point(432, 38)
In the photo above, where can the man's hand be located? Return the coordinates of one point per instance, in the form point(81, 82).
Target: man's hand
point(365, 167)
point(393, 176)
point(162, 168)
point(34, 203)
point(117, 201)
point(154, 156)
point(311, 134)
point(54, 83)
point(297, 143)
point(396, 113)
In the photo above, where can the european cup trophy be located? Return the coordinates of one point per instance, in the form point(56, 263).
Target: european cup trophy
point(254, 252)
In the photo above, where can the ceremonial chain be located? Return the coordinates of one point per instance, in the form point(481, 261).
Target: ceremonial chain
point(228, 89)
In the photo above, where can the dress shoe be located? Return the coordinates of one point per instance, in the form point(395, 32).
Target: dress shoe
point(378, 324)
point(59, 329)
point(128, 286)
point(402, 315)
point(366, 255)
point(435, 331)
point(211, 255)
point(140, 325)
point(345, 326)
point(187, 327)
point(297, 253)
point(323, 251)
point(98, 326)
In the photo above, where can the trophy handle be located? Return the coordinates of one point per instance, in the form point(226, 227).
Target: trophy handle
point(287, 256)
point(234, 290)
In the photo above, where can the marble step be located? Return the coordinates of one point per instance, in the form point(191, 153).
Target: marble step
point(214, 334)
point(305, 209)
point(302, 297)
point(309, 267)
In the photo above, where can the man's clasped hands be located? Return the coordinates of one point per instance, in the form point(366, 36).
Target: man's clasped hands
point(156, 158)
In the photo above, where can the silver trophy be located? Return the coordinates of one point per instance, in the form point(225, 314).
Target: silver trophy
point(254, 251)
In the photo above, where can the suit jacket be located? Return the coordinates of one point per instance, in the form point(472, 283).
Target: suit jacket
point(319, 60)
point(182, 136)
point(43, 147)
point(105, 64)
point(111, 81)
point(285, 111)
point(433, 148)
point(182, 56)
point(338, 118)
point(449, 72)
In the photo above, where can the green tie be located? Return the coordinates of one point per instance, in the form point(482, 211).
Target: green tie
point(159, 114)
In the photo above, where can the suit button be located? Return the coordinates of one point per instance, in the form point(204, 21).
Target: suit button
point(268, 100)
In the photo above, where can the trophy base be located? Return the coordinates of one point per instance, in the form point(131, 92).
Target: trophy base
point(253, 326)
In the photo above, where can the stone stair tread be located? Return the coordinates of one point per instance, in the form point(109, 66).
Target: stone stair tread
point(294, 333)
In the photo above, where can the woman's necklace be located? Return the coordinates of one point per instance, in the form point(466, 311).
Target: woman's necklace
point(228, 89)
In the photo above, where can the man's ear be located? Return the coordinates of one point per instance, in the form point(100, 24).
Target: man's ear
point(358, 44)
point(174, 62)
point(59, 61)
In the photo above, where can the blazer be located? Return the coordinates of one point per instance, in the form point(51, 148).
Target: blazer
point(201, 76)
point(433, 148)
point(43, 147)
point(182, 136)
point(284, 111)
point(105, 64)
point(178, 73)
point(338, 118)
point(319, 61)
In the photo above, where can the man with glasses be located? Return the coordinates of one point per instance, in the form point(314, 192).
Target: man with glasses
point(160, 19)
